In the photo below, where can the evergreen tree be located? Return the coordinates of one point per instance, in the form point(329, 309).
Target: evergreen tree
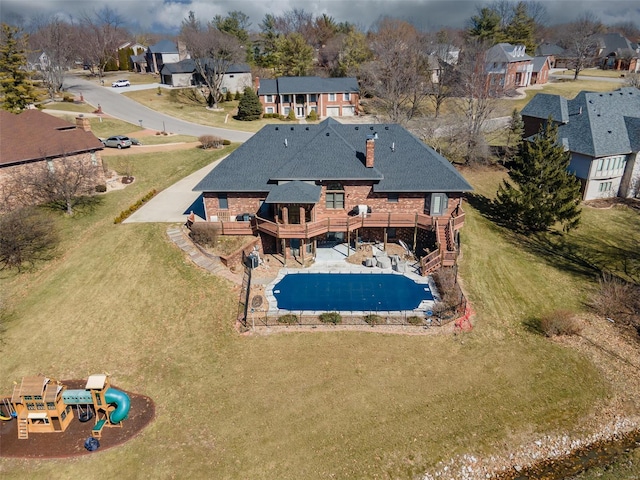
point(15, 87)
point(515, 130)
point(521, 29)
point(485, 26)
point(249, 107)
point(294, 56)
point(543, 192)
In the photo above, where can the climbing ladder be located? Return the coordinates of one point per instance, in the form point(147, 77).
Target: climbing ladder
point(23, 430)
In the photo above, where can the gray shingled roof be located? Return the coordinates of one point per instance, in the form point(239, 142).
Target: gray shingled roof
point(334, 151)
point(545, 105)
point(505, 52)
point(549, 49)
point(294, 192)
point(538, 63)
point(164, 46)
point(292, 85)
point(598, 124)
point(614, 43)
point(189, 66)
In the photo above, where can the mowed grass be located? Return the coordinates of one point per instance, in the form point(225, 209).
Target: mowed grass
point(123, 299)
point(176, 104)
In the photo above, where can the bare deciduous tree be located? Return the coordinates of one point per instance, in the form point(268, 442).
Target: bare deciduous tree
point(26, 236)
point(580, 41)
point(399, 74)
point(477, 93)
point(98, 37)
point(55, 39)
point(212, 51)
point(63, 182)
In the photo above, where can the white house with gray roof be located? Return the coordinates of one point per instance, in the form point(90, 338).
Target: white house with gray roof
point(328, 97)
point(299, 186)
point(602, 132)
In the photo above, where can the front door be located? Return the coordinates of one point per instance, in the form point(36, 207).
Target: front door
point(299, 112)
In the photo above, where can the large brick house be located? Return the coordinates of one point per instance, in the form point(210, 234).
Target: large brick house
point(328, 97)
point(602, 132)
point(509, 66)
point(31, 138)
point(299, 187)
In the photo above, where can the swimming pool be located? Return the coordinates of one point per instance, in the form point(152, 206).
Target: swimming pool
point(350, 292)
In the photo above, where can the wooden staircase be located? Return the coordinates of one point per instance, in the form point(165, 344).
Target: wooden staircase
point(23, 428)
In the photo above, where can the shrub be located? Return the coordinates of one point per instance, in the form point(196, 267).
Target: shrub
point(238, 96)
point(289, 319)
point(249, 107)
point(415, 320)
point(226, 142)
point(560, 322)
point(291, 115)
point(159, 91)
point(210, 141)
point(101, 188)
point(313, 116)
point(331, 317)
point(229, 96)
point(132, 208)
point(204, 233)
point(372, 319)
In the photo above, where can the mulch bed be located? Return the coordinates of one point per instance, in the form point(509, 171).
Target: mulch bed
point(70, 443)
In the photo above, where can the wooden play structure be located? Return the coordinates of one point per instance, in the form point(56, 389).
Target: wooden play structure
point(44, 405)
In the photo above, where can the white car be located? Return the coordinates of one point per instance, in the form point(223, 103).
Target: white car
point(121, 83)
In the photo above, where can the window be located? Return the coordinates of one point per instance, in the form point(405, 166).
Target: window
point(285, 111)
point(223, 201)
point(392, 197)
point(605, 187)
point(332, 97)
point(313, 97)
point(51, 406)
point(335, 196)
point(230, 76)
point(347, 97)
point(600, 165)
point(314, 108)
point(269, 110)
point(40, 406)
point(268, 98)
point(286, 98)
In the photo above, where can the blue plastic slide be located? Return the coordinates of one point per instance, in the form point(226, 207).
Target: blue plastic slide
point(122, 401)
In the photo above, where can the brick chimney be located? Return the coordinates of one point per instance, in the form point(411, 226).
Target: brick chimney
point(82, 122)
point(256, 84)
point(370, 148)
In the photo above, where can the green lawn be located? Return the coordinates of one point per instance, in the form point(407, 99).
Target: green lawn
point(344, 405)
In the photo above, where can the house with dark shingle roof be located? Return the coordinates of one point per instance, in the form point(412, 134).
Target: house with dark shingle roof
point(184, 74)
point(509, 66)
point(165, 51)
point(540, 71)
point(616, 52)
point(602, 132)
point(328, 97)
point(298, 187)
point(32, 137)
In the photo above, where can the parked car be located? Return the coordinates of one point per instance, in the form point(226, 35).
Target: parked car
point(121, 83)
point(117, 141)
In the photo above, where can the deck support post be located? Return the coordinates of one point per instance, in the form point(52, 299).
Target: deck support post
point(415, 233)
point(385, 239)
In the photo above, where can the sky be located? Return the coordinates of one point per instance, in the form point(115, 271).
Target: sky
point(165, 16)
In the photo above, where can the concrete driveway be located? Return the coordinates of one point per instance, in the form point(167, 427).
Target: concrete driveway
point(173, 204)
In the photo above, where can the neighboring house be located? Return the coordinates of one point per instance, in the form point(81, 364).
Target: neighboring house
point(328, 97)
point(136, 50)
point(540, 71)
point(602, 132)
point(616, 52)
point(440, 56)
point(555, 53)
point(184, 74)
point(139, 63)
point(165, 51)
point(37, 60)
point(299, 187)
point(32, 137)
point(509, 66)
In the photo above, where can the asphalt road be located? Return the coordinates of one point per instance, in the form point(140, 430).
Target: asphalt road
point(121, 107)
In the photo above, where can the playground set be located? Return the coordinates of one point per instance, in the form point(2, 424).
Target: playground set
point(45, 405)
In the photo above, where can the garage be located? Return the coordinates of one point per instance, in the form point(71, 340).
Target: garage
point(333, 111)
point(348, 111)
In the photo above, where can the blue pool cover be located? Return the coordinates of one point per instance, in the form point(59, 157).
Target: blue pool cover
point(349, 292)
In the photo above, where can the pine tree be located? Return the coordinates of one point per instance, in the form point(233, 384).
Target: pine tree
point(521, 29)
point(249, 107)
point(541, 191)
point(16, 88)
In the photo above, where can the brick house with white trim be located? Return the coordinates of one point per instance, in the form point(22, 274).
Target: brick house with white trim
point(328, 97)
